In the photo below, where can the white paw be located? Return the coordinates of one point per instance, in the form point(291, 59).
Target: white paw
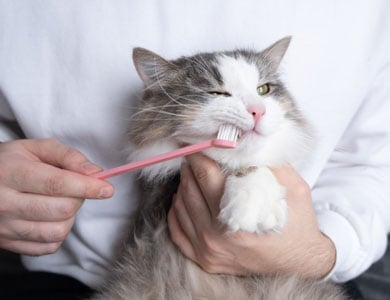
point(254, 203)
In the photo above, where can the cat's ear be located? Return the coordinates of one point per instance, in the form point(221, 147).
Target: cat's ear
point(150, 66)
point(276, 51)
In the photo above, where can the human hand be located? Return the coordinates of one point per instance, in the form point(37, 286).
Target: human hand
point(300, 248)
point(43, 183)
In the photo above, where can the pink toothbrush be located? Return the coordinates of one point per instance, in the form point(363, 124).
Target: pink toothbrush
point(227, 137)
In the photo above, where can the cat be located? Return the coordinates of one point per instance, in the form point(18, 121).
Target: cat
point(186, 101)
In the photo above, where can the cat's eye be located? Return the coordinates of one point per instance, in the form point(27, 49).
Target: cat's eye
point(219, 93)
point(263, 89)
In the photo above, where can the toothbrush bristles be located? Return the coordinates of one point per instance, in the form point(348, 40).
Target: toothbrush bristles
point(228, 132)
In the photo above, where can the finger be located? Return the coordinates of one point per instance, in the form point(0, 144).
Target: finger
point(30, 248)
point(183, 217)
point(193, 199)
point(53, 152)
point(40, 178)
point(178, 236)
point(287, 176)
point(32, 207)
point(296, 186)
point(41, 232)
point(209, 178)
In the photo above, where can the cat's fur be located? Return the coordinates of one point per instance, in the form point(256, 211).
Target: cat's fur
point(185, 101)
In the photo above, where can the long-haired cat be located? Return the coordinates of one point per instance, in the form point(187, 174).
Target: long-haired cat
point(186, 101)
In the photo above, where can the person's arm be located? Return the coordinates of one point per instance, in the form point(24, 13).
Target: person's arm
point(43, 183)
point(352, 195)
point(352, 206)
point(300, 248)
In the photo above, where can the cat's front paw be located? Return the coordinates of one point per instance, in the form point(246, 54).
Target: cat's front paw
point(254, 203)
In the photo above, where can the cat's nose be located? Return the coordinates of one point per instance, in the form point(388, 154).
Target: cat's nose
point(257, 112)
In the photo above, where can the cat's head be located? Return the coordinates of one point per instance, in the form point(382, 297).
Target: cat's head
point(188, 99)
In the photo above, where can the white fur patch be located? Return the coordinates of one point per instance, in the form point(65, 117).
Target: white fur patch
point(240, 78)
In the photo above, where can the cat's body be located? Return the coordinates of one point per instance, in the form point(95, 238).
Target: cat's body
point(186, 101)
point(154, 269)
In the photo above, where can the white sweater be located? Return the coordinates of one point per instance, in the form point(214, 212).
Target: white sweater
point(66, 72)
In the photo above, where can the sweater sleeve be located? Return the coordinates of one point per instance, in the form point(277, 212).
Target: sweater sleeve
point(9, 128)
point(352, 195)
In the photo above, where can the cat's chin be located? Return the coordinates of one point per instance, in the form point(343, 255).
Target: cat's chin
point(249, 138)
point(253, 149)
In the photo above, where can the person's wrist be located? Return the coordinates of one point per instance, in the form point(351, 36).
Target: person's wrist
point(324, 258)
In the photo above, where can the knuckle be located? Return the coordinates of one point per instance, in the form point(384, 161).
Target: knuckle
point(71, 155)
point(176, 206)
point(201, 173)
point(184, 181)
point(207, 263)
point(54, 185)
point(175, 235)
point(38, 208)
point(4, 208)
point(58, 233)
point(209, 256)
point(302, 189)
point(66, 209)
point(50, 142)
point(211, 246)
point(47, 143)
point(26, 232)
point(90, 190)
point(52, 248)
point(24, 175)
point(6, 165)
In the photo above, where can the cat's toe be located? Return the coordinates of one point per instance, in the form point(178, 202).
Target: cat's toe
point(236, 220)
point(277, 217)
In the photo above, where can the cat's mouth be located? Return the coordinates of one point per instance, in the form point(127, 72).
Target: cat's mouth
point(249, 134)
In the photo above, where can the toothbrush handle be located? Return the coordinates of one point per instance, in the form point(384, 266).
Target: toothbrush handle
point(187, 150)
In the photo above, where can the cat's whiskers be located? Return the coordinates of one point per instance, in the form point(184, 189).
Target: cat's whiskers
point(170, 105)
point(158, 108)
point(159, 111)
point(185, 97)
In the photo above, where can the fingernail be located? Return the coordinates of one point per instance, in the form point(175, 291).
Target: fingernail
point(106, 192)
point(90, 168)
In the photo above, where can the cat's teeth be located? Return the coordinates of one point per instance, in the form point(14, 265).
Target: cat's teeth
point(229, 133)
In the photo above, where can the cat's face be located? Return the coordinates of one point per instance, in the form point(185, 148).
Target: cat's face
point(188, 99)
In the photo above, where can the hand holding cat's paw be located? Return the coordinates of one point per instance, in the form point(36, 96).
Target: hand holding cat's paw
point(200, 236)
point(253, 203)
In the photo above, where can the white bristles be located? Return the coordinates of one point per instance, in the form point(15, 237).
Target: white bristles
point(228, 132)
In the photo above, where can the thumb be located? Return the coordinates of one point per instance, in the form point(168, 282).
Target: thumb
point(210, 180)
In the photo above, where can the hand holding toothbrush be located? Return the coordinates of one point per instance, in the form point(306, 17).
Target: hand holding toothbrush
point(43, 183)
